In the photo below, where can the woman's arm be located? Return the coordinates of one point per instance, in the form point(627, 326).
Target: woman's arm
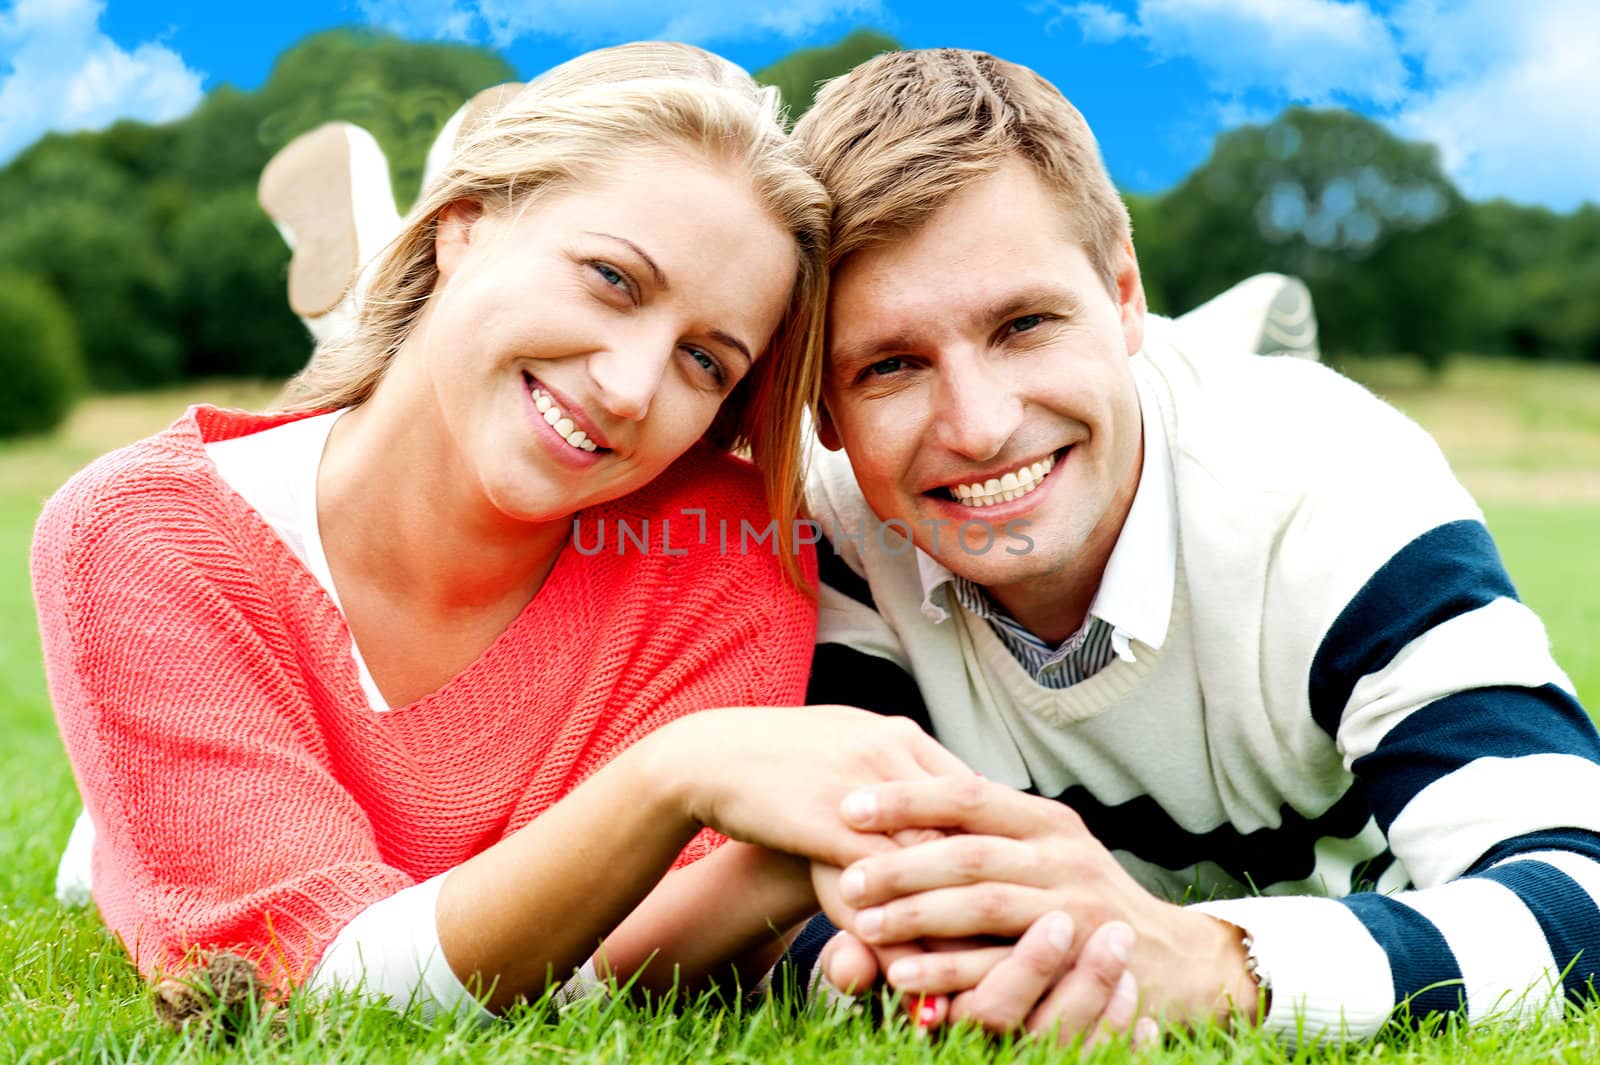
point(535, 906)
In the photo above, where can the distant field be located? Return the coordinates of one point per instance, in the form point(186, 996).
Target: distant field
point(1525, 439)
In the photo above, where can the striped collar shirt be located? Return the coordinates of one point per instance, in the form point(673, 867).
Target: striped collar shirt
point(1134, 601)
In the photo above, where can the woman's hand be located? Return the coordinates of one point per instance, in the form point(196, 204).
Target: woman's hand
point(775, 776)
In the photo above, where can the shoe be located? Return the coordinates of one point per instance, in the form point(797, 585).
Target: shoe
point(329, 194)
point(1269, 314)
point(468, 117)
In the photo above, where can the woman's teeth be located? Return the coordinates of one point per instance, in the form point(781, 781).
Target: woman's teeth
point(559, 421)
point(1004, 489)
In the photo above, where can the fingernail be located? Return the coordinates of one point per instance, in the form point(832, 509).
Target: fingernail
point(1058, 931)
point(860, 806)
point(1145, 1031)
point(904, 971)
point(1125, 993)
point(869, 923)
point(927, 1014)
point(853, 884)
point(1120, 942)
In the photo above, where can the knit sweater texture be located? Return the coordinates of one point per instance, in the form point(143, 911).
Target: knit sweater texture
point(248, 798)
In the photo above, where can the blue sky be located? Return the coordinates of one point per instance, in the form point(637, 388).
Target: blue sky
point(1506, 88)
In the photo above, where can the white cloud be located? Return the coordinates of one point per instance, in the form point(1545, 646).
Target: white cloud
point(1510, 102)
point(601, 21)
point(1507, 96)
point(1098, 23)
point(64, 74)
point(446, 20)
point(1312, 51)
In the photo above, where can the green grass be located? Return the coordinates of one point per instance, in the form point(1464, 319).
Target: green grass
point(1526, 439)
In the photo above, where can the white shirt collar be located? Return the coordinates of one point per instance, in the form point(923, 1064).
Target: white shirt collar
point(1135, 594)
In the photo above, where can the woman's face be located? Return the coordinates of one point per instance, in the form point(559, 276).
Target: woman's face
point(578, 346)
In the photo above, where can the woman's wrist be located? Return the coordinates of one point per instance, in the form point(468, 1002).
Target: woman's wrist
point(665, 774)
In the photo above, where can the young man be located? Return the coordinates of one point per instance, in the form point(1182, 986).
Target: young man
point(1223, 633)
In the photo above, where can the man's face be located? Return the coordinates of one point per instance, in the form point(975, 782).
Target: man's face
point(978, 378)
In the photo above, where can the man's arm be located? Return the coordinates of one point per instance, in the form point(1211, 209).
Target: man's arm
point(1478, 764)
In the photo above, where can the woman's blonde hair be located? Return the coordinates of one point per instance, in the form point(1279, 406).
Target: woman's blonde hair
point(575, 122)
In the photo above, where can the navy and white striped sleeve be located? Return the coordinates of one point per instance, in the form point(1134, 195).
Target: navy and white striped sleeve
point(1482, 770)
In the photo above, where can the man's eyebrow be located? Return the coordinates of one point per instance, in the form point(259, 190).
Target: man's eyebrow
point(1033, 298)
point(661, 278)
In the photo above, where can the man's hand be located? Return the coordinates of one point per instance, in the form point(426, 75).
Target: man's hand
point(1032, 986)
point(1010, 859)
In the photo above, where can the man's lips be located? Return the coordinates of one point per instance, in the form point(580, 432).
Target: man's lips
point(1001, 485)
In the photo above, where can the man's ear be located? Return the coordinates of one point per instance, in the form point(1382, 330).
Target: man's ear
point(453, 233)
point(1131, 303)
point(827, 432)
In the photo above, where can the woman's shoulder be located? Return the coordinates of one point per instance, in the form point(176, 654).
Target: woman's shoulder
point(159, 491)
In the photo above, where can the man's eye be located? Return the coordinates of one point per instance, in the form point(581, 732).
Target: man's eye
point(1026, 323)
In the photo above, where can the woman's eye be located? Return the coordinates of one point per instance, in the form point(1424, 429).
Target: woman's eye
point(612, 276)
point(708, 364)
point(885, 367)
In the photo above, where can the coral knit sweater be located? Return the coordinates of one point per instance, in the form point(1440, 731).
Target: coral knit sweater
point(246, 796)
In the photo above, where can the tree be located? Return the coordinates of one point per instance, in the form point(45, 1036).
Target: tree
point(798, 74)
point(1368, 220)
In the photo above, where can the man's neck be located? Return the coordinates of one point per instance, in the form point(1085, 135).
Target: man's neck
point(1056, 605)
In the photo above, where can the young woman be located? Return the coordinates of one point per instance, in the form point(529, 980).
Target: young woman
point(339, 692)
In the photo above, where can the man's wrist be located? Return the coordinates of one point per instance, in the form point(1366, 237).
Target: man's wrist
point(1199, 973)
point(1243, 986)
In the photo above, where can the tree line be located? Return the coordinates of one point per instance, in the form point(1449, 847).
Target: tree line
point(137, 256)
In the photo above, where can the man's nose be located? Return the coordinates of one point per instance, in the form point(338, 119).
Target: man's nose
point(977, 408)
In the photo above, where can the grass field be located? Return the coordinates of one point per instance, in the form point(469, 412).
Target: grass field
point(1526, 440)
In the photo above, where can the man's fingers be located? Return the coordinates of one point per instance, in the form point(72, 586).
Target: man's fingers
point(848, 964)
point(942, 862)
point(1003, 1000)
point(966, 803)
point(987, 909)
point(1098, 994)
point(944, 972)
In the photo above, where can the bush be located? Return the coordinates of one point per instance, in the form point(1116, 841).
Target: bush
point(107, 262)
point(40, 362)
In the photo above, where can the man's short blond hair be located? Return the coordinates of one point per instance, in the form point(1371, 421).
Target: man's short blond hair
point(898, 136)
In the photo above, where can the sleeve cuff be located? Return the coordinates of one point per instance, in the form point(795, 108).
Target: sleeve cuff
point(1329, 978)
point(391, 950)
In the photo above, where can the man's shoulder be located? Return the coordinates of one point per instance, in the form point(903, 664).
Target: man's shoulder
point(1283, 425)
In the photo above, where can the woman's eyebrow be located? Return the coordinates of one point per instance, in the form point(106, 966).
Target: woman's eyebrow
point(661, 278)
point(733, 342)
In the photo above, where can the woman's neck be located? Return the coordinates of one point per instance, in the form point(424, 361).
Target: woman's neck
point(401, 515)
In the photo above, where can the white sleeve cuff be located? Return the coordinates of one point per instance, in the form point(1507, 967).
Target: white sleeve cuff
point(391, 950)
point(1329, 978)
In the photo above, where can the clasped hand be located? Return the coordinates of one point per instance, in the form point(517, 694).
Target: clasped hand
point(978, 861)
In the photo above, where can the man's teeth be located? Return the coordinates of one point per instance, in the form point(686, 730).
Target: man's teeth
point(1004, 489)
point(559, 421)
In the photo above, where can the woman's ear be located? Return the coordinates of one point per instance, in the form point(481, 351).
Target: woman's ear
point(453, 233)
